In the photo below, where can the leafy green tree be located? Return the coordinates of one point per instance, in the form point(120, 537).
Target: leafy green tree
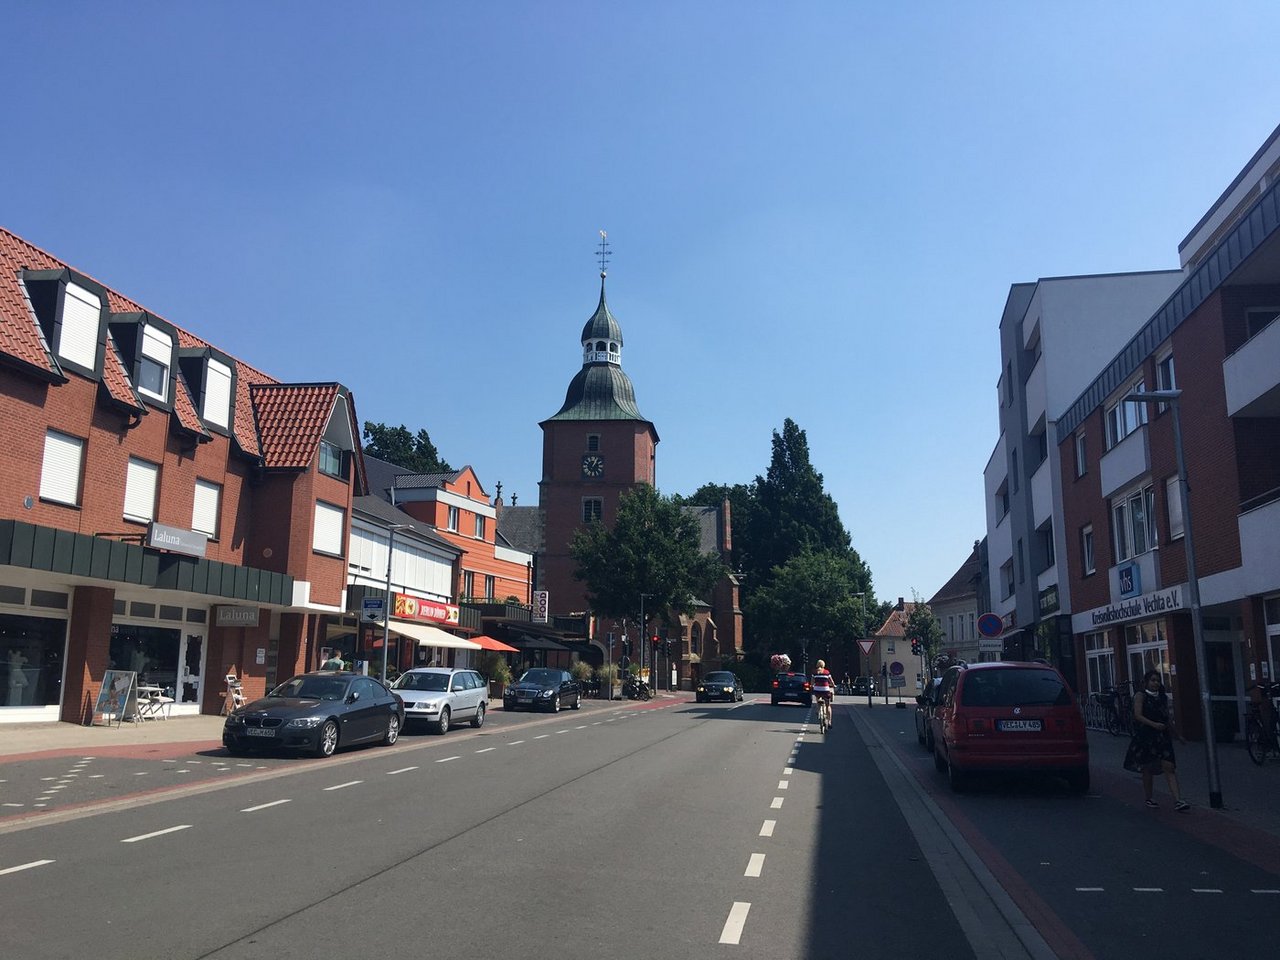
point(811, 601)
point(652, 548)
point(922, 625)
point(397, 445)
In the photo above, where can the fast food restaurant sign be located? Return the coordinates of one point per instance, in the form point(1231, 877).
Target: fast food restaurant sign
point(429, 611)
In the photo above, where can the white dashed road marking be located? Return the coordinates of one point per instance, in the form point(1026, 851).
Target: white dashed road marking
point(783, 784)
point(25, 866)
point(1148, 889)
point(447, 759)
point(1088, 890)
point(263, 806)
point(349, 783)
point(767, 829)
point(541, 736)
point(514, 742)
point(788, 771)
point(776, 804)
point(1204, 890)
point(392, 773)
point(486, 749)
point(157, 833)
point(732, 932)
point(754, 865)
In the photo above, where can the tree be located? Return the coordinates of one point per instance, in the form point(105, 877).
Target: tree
point(396, 445)
point(812, 599)
point(652, 548)
point(922, 625)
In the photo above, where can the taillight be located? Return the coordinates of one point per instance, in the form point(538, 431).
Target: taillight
point(775, 684)
point(806, 685)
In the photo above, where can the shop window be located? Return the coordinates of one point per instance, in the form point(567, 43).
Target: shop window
point(145, 611)
point(170, 613)
point(207, 508)
point(1147, 648)
point(197, 616)
point(1100, 661)
point(52, 599)
point(61, 470)
point(330, 522)
point(31, 660)
point(141, 482)
point(14, 595)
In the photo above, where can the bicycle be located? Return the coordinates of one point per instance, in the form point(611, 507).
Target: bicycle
point(824, 714)
point(1117, 708)
point(1262, 738)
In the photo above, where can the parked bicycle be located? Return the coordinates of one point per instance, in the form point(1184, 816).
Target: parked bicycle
point(1262, 724)
point(1117, 709)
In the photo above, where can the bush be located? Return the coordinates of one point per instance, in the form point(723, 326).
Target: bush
point(494, 667)
point(581, 671)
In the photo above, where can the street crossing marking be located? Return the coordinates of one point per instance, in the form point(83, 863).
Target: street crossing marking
point(158, 833)
point(788, 771)
point(26, 866)
point(754, 865)
point(732, 932)
point(263, 806)
point(767, 829)
point(349, 783)
point(392, 773)
point(783, 784)
point(777, 803)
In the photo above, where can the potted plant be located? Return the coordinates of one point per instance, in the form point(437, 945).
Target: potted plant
point(607, 677)
point(497, 671)
point(581, 671)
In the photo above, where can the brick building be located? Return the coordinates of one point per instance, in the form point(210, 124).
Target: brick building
point(169, 510)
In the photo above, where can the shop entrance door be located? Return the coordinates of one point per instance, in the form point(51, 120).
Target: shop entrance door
point(191, 672)
point(1224, 670)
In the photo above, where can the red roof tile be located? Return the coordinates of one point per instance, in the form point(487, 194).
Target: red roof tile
point(291, 420)
point(20, 335)
point(896, 624)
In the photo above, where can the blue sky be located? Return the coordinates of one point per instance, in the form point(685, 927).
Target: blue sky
point(815, 209)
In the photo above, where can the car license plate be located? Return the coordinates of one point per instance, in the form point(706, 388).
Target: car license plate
point(260, 732)
point(1016, 725)
point(524, 698)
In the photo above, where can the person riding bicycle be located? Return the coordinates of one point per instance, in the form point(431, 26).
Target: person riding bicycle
point(824, 687)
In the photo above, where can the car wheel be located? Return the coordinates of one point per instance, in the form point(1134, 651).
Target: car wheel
point(393, 730)
point(478, 720)
point(234, 750)
point(555, 703)
point(938, 763)
point(957, 778)
point(442, 725)
point(741, 697)
point(328, 741)
point(577, 702)
point(1078, 780)
point(698, 698)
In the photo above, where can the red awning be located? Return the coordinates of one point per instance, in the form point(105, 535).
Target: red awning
point(491, 644)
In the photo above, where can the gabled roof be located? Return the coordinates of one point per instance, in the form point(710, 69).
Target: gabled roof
point(895, 625)
point(292, 419)
point(376, 508)
point(522, 527)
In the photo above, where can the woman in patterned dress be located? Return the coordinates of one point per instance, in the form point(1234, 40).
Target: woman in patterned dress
point(1152, 747)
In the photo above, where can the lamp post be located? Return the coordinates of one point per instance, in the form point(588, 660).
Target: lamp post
point(644, 646)
point(386, 610)
point(1172, 398)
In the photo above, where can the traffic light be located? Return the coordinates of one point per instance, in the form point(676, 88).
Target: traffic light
point(915, 646)
point(626, 647)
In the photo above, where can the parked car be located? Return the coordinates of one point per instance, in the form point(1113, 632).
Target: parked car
point(440, 695)
point(863, 686)
point(719, 685)
point(316, 712)
point(791, 686)
point(1005, 717)
point(925, 704)
point(543, 688)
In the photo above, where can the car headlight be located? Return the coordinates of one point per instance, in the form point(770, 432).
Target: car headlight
point(233, 720)
point(728, 689)
point(305, 723)
point(545, 693)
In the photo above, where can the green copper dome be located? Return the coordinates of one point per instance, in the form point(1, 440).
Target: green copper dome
point(602, 325)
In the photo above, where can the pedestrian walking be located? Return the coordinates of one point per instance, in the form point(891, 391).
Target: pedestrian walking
point(334, 662)
point(1151, 749)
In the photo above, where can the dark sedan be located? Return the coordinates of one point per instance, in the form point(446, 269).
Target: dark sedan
point(315, 713)
point(543, 688)
point(719, 685)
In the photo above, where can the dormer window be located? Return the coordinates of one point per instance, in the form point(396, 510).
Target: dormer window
point(72, 316)
point(217, 394)
point(153, 363)
point(81, 321)
point(210, 376)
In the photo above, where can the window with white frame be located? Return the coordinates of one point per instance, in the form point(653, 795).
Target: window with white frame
point(1101, 661)
point(480, 527)
point(489, 583)
point(1086, 549)
point(141, 482)
point(327, 535)
point(1082, 458)
point(1147, 646)
point(217, 393)
point(1133, 517)
point(468, 583)
point(1124, 417)
point(207, 508)
point(452, 522)
point(60, 473)
point(1173, 501)
point(81, 320)
point(591, 509)
point(153, 364)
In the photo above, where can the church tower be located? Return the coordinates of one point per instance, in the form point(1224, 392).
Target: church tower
point(595, 448)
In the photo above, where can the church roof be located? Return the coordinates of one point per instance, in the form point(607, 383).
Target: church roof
point(599, 391)
point(602, 325)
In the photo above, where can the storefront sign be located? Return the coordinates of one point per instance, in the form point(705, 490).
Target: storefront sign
point(541, 599)
point(228, 616)
point(420, 608)
point(1148, 605)
point(177, 540)
point(1049, 599)
point(1130, 579)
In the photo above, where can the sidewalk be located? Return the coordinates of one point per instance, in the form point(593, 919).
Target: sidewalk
point(21, 739)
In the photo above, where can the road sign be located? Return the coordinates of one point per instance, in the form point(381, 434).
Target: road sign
point(895, 668)
point(990, 625)
point(867, 645)
point(371, 609)
point(896, 681)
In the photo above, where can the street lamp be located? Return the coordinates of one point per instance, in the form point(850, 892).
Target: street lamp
point(1172, 397)
point(386, 610)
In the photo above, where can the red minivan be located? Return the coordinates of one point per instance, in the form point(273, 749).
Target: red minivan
point(1009, 716)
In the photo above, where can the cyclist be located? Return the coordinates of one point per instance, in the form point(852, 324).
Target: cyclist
point(824, 687)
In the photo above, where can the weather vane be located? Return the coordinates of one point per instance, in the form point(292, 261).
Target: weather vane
point(603, 253)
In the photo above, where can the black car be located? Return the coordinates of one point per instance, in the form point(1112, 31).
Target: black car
point(316, 712)
point(791, 686)
point(719, 685)
point(925, 704)
point(543, 688)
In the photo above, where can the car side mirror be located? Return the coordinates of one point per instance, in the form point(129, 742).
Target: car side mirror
point(353, 696)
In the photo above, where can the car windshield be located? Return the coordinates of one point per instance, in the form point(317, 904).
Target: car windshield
point(1014, 688)
point(541, 676)
point(435, 682)
point(311, 688)
point(719, 678)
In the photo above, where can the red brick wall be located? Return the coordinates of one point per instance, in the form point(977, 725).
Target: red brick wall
point(88, 642)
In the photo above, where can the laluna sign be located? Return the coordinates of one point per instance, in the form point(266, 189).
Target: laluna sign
point(1150, 604)
point(176, 539)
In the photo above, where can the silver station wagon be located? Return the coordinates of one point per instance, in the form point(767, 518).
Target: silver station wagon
point(441, 696)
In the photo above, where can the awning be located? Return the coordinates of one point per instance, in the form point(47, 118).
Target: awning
point(430, 636)
point(489, 643)
point(526, 642)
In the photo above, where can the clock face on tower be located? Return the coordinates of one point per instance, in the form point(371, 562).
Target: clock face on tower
point(592, 465)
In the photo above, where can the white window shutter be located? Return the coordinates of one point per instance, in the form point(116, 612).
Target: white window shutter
point(60, 475)
point(81, 312)
point(140, 491)
point(208, 503)
point(327, 537)
point(157, 345)
point(217, 394)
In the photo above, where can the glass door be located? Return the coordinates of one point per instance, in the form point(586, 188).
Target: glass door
point(191, 668)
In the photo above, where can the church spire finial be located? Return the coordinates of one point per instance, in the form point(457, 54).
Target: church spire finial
point(603, 253)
